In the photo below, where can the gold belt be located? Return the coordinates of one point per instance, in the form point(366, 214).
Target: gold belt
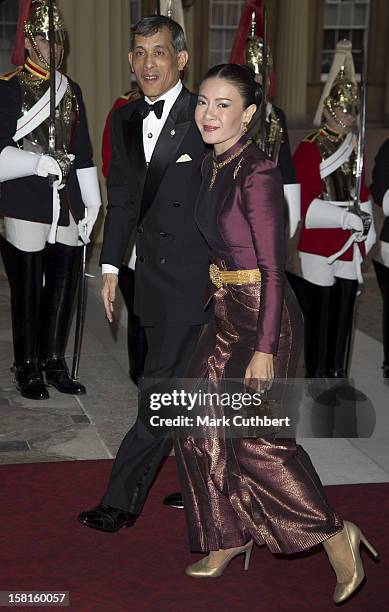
point(233, 277)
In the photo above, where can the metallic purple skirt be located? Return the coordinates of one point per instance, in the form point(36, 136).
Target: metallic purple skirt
point(235, 489)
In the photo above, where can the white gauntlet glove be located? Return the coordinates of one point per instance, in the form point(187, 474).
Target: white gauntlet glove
point(292, 195)
point(385, 203)
point(90, 193)
point(16, 163)
point(48, 166)
point(325, 215)
point(352, 222)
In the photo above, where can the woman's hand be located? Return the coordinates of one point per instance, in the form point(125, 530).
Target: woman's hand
point(260, 367)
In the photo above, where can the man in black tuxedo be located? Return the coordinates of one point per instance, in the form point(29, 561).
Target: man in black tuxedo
point(380, 192)
point(152, 187)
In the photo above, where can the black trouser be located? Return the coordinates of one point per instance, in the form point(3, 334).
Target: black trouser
point(328, 318)
point(382, 274)
point(140, 454)
point(41, 312)
point(136, 339)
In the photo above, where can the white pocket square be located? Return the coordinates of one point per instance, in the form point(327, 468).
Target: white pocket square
point(184, 158)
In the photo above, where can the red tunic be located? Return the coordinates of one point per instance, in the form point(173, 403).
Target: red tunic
point(307, 159)
point(106, 143)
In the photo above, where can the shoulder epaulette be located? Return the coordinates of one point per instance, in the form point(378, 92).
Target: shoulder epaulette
point(311, 137)
point(7, 76)
point(130, 94)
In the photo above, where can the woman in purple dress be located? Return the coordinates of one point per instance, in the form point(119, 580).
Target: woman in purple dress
point(240, 491)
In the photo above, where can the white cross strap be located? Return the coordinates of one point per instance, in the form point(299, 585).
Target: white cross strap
point(334, 161)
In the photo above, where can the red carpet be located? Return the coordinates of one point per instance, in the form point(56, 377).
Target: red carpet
point(141, 569)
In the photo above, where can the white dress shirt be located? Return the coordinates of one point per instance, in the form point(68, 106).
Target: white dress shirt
point(152, 127)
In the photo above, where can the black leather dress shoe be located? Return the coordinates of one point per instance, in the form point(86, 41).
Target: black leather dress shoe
point(57, 375)
point(107, 518)
point(174, 500)
point(29, 381)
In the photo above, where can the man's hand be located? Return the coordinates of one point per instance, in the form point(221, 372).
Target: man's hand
point(108, 293)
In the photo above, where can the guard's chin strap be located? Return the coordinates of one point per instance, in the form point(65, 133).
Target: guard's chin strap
point(333, 114)
point(44, 62)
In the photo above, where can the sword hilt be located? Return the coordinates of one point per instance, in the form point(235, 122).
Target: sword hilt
point(367, 221)
point(364, 216)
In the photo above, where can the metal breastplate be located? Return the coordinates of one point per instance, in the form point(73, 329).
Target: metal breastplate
point(65, 116)
point(274, 136)
point(339, 185)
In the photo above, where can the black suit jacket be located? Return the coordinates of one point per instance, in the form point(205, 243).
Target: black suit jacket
point(157, 204)
point(380, 183)
point(30, 198)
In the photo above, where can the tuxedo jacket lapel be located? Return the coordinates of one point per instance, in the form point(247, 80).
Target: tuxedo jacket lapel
point(173, 132)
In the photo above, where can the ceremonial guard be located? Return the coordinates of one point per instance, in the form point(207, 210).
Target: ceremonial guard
point(380, 192)
point(49, 198)
point(273, 136)
point(337, 229)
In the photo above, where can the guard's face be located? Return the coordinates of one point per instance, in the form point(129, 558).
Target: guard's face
point(348, 118)
point(156, 65)
point(44, 48)
point(220, 113)
point(342, 122)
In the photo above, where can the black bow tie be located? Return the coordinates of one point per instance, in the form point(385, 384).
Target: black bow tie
point(145, 109)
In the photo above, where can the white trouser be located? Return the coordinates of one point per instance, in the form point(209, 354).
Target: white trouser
point(30, 237)
point(317, 270)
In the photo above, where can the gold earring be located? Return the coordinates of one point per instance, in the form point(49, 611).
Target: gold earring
point(244, 128)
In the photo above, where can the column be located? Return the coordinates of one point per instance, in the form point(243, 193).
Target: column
point(292, 58)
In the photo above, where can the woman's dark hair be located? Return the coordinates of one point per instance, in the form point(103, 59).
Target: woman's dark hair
point(243, 77)
point(148, 26)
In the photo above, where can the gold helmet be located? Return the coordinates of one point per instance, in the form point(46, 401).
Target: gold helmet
point(255, 51)
point(37, 24)
point(340, 90)
point(343, 96)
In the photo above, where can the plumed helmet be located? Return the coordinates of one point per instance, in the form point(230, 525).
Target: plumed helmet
point(340, 89)
point(343, 96)
point(37, 22)
point(255, 51)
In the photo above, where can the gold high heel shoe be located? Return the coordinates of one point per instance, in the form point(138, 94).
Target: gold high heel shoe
point(344, 590)
point(201, 569)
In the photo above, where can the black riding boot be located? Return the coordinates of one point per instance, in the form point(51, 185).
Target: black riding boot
point(61, 267)
point(343, 297)
point(382, 274)
point(25, 274)
point(314, 302)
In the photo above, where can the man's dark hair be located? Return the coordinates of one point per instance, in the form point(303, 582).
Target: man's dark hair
point(148, 26)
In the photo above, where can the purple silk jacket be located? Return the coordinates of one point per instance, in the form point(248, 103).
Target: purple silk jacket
point(242, 219)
